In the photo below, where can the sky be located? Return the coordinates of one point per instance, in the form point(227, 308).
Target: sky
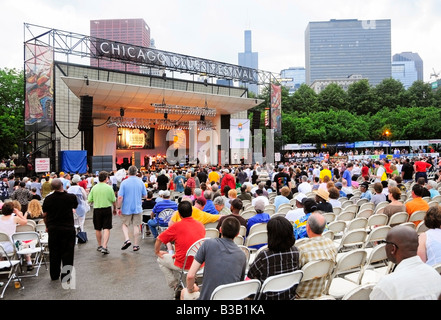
point(215, 29)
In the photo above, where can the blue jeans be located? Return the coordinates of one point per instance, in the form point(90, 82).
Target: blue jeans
point(153, 224)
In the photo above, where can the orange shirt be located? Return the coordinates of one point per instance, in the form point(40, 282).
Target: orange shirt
point(417, 204)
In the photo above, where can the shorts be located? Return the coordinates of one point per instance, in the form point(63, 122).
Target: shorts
point(129, 219)
point(102, 218)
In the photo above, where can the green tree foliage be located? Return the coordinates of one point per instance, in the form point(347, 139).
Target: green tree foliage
point(303, 100)
point(11, 111)
point(360, 97)
point(420, 94)
point(389, 93)
point(333, 97)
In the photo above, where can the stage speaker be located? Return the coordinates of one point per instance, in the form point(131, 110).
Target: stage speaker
point(225, 121)
point(85, 122)
point(256, 120)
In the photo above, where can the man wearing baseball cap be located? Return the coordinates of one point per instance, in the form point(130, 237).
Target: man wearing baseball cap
point(298, 212)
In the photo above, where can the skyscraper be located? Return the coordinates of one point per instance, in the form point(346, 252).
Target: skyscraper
point(248, 58)
point(407, 67)
point(129, 31)
point(292, 78)
point(341, 48)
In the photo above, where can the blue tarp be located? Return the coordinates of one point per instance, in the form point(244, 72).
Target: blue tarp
point(73, 161)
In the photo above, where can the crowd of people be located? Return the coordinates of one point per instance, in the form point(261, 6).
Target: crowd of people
point(199, 195)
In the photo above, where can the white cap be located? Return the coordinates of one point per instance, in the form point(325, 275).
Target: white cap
point(300, 197)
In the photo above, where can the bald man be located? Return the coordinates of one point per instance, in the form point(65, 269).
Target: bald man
point(412, 279)
point(58, 216)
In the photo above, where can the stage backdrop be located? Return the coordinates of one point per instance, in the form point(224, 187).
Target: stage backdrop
point(73, 161)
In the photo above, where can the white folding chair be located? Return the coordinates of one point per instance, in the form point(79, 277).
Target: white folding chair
point(257, 227)
point(280, 283)
point(378, 219)
point(239, 240)
point(329, 216)
point(345, 216)
point(34, 248)
point(376, 235)
point(317, 270)
point(338, 227)
point(398, 218)
point(236, 290)
point(350, 240)
point(357, 223)
point(191, 252)
point(248, 214)
point(256, 239)
point(350, 261)
point(361, 292)
point(9, 267)
point(421, 227)
point(163, 218)
point(417, 216)
point(25, 228)
point(211, 233)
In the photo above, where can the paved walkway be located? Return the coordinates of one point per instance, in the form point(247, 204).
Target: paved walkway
point(120, 275)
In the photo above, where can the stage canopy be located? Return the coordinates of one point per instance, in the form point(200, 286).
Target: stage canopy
point(136, 100)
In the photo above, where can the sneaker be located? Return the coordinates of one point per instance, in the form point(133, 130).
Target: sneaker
point(105, 250)
point(99, 248)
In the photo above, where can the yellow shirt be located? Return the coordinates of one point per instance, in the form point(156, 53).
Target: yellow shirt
point(213, 176)
point(199, 215)
point(325, 172)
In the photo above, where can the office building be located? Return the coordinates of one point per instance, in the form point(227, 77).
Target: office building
point(292, 78)
point(407, 67)
point(250, 59)
point(130, 31)
point(341, 48)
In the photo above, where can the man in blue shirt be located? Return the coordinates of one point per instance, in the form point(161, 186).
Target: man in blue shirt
point(365, 193)
point(130, 195)
point(259, 217)
point(166, 203)
point(209, 205)
point(179, 182)
point(347, 174)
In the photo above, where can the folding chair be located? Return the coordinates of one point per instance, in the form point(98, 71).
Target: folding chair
point(280, 283)
point(398, 218)
point(357, 223)
point(248, 214)
point(350, 240)
point(365, 213)
point(376, 235)
point(144, 225)
point(239, 240)
point(246, 251)
point(374, 269)
point(257, 227)
point(417, 216)
point(163, 219)
point(338, 227)
point(421, 227)
point(350, 261)
point(378, 219)
point(316, 270)
point(256, 239)
point(25, 228)
point(361, 292)
point(5, 238)
point(191, 252)
point(211, 233)
point(8, 267)
point(236, 290)
point(211, 225)
point(345, 216)
point(329, 216)
point(35, 248)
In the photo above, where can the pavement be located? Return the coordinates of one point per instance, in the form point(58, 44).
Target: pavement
point(120, 275)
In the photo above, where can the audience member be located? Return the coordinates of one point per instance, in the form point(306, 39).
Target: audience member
point(280, 257)
point(259, 217)
point(260, 196)
point(417, 203)
point(217, 255)
point(236, 207)
point(431, 186)
point(183, 233)
point(412, 279)
point(282, 197)
point(334, 194)
point(309, 206)
point(295, 214)
point(395, 204)
point(322, 198)
point(154, 221)
point(378, 195)
point(316, 247)
point(429, 242)
point(35, 211)
point(365, 192)
point(219, 204)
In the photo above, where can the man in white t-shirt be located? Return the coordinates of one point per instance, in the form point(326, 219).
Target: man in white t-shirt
point(298, 212)
point(304, 187)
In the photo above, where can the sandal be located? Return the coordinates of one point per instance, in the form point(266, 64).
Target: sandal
point(135, 248)
point(127, 244)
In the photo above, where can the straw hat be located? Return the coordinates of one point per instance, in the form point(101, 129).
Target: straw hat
point(322, 193)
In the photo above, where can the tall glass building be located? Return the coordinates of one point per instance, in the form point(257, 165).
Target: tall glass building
point(129, 31)
point(341, 48)
point(250, 59)
point(292, 78)
point(407, 67)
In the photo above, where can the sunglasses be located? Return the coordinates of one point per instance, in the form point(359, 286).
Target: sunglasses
point(388, 242)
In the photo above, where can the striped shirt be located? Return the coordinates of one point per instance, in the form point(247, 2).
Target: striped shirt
point(269, 263)
point(317, 248)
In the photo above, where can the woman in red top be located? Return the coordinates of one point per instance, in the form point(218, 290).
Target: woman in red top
point(365, 170)
point(420, 168)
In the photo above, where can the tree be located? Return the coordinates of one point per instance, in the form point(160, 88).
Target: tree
point(420, 94)
point(333, 97)
point(389, 93)
point(360, 97)
point(304, 99)
point(11, 111)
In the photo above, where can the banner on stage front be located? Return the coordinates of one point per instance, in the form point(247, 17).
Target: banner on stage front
point(239, 133)
point(276, 108)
